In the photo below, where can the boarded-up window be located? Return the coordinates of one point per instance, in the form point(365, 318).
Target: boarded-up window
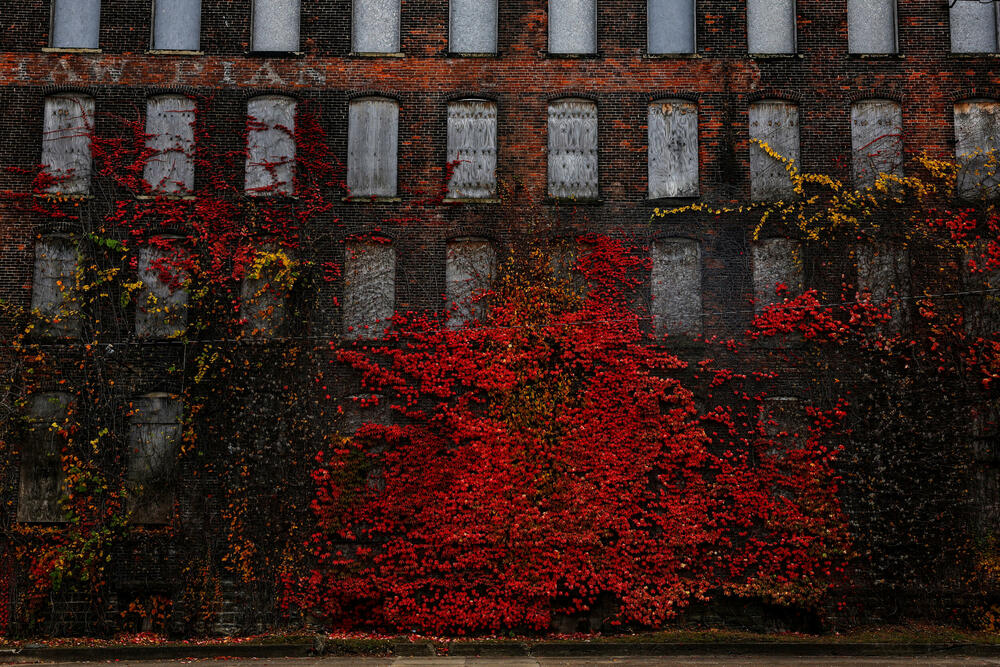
point(177, 25)
point(777, 271)
point(270, 167)
point(473, 26)
point(76, 24)
point(676, 287)
point(673, 149)
point(977, 147)
point(69, 124)
point(877, 140)
point(469, 270)
point(573, 149)
point(170, 133)
point(371, 147)
point(362, 410)
point(572, 26)
point(369, 288)
point(153, 439)
point(774, 125)
point(52, 290)
point(884, 280)
point(871, 26)
point(264, 293)
point(472, 149)
point(784, 423)
point(275, 26)
point(771, 26)
point(41, 463)
point(982, 279)
point(670, 26)
point(376, 26)
point(975, 26)
point(161, 304)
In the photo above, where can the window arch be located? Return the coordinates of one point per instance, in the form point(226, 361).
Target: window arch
point(170, 135)
point(372, 135)
point(275, 26)
point(68, 128)
point(572, 26)
point(671, 26)
point(573, 165)
point(270, 163)
point(375, 26)
point(673, 149)
point(876, 140)
point(76, 24)
point(774, 123)
point(176, 25)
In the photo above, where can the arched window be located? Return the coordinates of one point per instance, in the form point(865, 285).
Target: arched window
point(369, 289)
point(469, 269)
point(876, 140)
point(372, 134)
point(76, 24)
point(69, 125)
point(573, 149)
point(676, 287)
point(472, 27)
point(771, 26)
point(154, 437)
point(670, 26)
point(777, 271)
point(472, 149)
point(871, 26)
point(975, 26)
point(375, 28)
point(673, 149)
point(41, 478)
point(977, 147)
point(275, 26)
point(53, 288)
point(170, 133)
point(774, 124)
point(572, 26)
point(270, 165)
point(176, 25)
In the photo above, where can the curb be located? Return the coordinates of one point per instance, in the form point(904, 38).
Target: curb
point(501, 649)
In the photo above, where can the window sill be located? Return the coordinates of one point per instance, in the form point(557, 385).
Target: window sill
point(62, 195)
point(595, 201)
point(276, 54)
point(477, 54)
point(876, 56)
point(978, 54)
point(377, 54)
point(361, 199)
point(670, 201)
point(775, 56)
point(670, 56)
point(173, 52)
point(165, 196)
point(471, 200)
point(572, 56)
point(68, 49)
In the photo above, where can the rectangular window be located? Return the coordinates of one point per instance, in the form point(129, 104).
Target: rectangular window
point(670, 26)
point(69, 125)
point(977, 147)
point(153, 439)
point(975, 26)
point(777, 271)
point(161, 304)
point(673, 149)
point(52, 291)
point(76, 24)
point(176, 25)
point(473, 26)
point(41, 479)
point(877, 140)
point(774, 149)
point(676, 287)
point(270, 164)
point(573, 149)
point(376, 26)
point(371, 147)
point(275, 26)
point(472, 149)
point(771, 26)
point(369, 289)
point(572, 26)
point(469, 269)
point(170, 134)
point(871, 26)
point(884, 280)
point(264, 292)
point(784, 423)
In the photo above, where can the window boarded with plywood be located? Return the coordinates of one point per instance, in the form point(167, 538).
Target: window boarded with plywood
point(41, 478)
point(69, 125)
point(975, 26)
point(369, 288)
point(469, 268)
point(871, 26)
point(774, 149)
point(275, 26)
point(673, 149)
point(161, 304)
point(154, 438)
point(53, 287)
point(884, 280)
point(376, 26)
point(472, 149)
point(777, 271)
point(76, 24)
point(977, 147)
point(371, 147)
point(676, 287)
point(270, 163)
point(170, 134)
point(877, 140)
point(573, 149)
point(572, 26)
point(263, 295)
point(473, 26)
point(177, 25)
point(771, 26)
point(670, 26)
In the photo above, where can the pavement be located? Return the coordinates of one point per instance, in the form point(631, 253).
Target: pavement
point(673, 661)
